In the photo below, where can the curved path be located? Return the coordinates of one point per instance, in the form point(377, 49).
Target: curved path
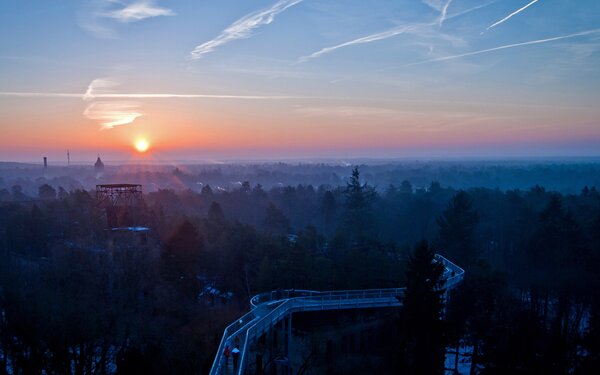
point(270, 308)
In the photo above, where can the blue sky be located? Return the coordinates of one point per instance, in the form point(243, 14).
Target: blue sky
point(303, 77)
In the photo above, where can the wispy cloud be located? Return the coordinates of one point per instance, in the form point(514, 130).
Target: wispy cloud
point(138, 10)
point(99, 16)
point(99, 86)
point(112, 113)
point(539, 41)
point(512, 14)
point(242, 28)
point(108, 113)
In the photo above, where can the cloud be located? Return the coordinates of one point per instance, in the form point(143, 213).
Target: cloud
point(99, 86)
point(512, 14)
point(539, 41)
point(108, 113)
point(242, 28)
point(112, 113)
point(138, 10)
point(99, 16)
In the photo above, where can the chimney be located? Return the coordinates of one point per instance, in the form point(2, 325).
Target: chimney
point(45, 162)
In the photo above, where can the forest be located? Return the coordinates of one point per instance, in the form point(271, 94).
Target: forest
point(529, 303)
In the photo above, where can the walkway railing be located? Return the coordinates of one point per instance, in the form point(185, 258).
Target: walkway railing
point(271, 307)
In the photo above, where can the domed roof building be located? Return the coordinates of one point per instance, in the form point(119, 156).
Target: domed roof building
point(99, 167)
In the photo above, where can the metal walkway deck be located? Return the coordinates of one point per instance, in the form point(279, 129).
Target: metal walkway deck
point(270, 308)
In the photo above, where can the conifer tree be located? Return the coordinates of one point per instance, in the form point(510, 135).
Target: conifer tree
point(456, 227)
point(358, 215)
point(421, 325)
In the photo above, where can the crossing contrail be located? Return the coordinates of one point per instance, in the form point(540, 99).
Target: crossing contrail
point(539, 41)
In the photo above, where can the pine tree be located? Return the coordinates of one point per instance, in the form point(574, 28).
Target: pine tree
point(358, 215)
point(215, 213)
point(421, 325)
point(456, 227)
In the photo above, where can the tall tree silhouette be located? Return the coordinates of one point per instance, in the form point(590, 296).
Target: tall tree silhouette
point(456, 226)
point(358, 215)
point(421, 325)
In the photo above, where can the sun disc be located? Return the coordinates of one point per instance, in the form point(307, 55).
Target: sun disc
point(141, 145)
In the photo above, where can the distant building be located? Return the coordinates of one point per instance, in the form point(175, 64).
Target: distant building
point(99, 168)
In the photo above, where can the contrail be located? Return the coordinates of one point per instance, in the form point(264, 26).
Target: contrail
point(540, 41)
point(201, 96)
point(366, 39)
point(440, 7)
point(443, 13)
point(103, 88)
point(146, 96)
point(40, 94)
point(242, 28)
point(397, 30)
point(512, 14)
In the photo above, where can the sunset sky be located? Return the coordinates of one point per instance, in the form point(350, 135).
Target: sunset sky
point(299, 78)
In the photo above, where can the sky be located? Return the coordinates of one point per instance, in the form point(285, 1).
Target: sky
point(234, 79)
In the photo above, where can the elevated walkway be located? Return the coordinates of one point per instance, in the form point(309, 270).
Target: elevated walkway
point(269, 309)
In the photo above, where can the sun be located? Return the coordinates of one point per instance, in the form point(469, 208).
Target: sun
point(141, 145)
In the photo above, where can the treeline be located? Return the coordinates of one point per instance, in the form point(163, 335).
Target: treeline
point(567, 176)
point(528, 304)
